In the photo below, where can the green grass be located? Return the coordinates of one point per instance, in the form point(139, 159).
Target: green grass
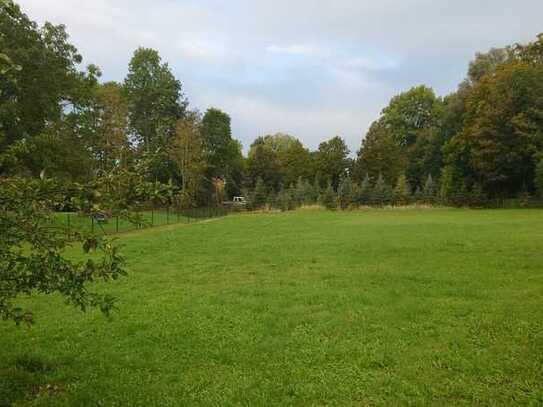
point(400, 307)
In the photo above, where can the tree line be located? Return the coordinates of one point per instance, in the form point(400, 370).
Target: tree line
point(483, 142)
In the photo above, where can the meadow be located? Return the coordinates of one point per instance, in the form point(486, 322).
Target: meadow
point(308, 308)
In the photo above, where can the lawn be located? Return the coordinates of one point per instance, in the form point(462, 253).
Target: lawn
point(378, 307)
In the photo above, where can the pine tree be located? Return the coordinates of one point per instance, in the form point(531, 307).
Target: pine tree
point(365, 192)
point(284, 200)
point(402, 191)
point(418, 195)
point(300, 192)
point(356, 194)
point(293, 203)
point(271, 199)
point(329, 198)
point(382, 193)
point(309, 193)
point(345, 192)
point(539, 177)
point(429, 191)
point(477, 198)
point(259, 194)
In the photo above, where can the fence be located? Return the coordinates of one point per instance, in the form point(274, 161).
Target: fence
point(150, 218)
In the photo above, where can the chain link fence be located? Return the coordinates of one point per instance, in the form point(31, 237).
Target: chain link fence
point(150, 217)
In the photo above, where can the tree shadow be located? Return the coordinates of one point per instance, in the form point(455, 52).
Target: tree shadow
point(25, 379)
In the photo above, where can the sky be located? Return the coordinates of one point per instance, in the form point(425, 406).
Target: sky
point(310, 68)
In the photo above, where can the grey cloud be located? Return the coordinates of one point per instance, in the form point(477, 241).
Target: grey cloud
point(312, 68)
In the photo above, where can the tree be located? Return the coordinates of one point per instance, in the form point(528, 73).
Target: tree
point(486, 63)
point(539, 176)
point(262, 163)
point(284, 200)
point(111, 145)
point(502, 128)
point(382, 193)
point(41, 85)
point(32, 251)
point(155, 99)
point(187, 151)
point(379, 154)
point(363, 196)
point(410, 112)
point(217, 136)
point(429, 191)
point(402, 191)
point(260, 194)
point(345, 193)
point(329, 197)
point(332, 160)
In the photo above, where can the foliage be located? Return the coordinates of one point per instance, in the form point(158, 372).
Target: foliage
point(155, 99)
point(331, 161)
point(429, 191)
point(259, 194)
point(329, 197)
point(402, 191)
point(539, 177)
point(284, 200)
point(187, 151)
point(32, 251)
point(345, 193)
point(381, 193)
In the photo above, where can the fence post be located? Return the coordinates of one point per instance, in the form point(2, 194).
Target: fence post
point(117, 224)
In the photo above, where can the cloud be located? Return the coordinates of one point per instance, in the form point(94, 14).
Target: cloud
point(307, 50)
point(312, 68)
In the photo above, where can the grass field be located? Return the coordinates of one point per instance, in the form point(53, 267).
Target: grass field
point(379, 307)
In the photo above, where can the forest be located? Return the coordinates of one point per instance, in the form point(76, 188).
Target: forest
point(478, 146)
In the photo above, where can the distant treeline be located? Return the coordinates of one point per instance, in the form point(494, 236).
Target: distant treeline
point(481, 144)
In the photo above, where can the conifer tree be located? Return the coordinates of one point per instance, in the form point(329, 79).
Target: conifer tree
point(429, 191)
point(284, 200)
point(329, 198)
point(402, 191)
point(539, 177)
point(345, 192)
point(259, 194)
point(382, 193)
point(365, 193)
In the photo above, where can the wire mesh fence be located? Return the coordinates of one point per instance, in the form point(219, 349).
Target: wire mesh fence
point(150, 218)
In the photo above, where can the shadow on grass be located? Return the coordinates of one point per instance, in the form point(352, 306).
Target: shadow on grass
point(25, 379)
